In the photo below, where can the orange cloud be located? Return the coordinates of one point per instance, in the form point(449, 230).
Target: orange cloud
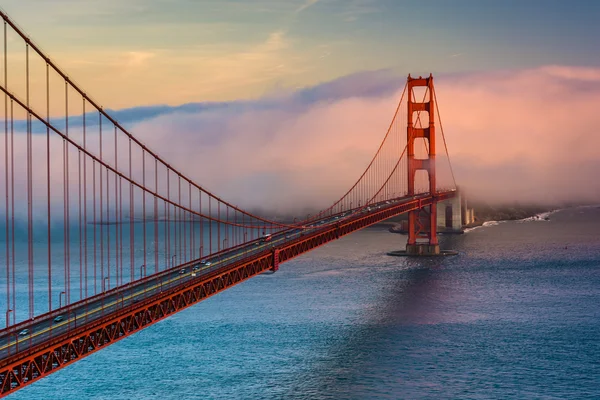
point(529, 135)
point(526, 136)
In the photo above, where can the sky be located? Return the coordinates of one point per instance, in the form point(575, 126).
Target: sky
point(310, 85)
point(143, 52)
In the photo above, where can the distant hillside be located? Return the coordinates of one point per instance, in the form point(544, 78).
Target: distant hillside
point(484, 212)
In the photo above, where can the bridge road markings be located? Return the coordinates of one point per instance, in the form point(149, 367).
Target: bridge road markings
point(52, 327)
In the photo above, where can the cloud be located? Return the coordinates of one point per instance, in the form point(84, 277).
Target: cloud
point(307, 3)
point(355, 9)
point(526, 136)
point(203, 71)
point(286, 154)
point(138, 58)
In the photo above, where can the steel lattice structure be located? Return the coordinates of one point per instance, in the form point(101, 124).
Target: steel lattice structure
point(129, 239)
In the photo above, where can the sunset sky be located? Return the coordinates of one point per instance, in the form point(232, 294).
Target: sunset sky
point(315, 84)
point(139, 52)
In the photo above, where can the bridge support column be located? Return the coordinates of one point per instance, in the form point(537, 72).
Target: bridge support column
point(422, 223)
point(275, 267)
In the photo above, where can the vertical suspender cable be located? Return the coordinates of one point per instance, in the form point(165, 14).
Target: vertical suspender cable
point(7, 196)
point(101, 189)
point(80, 228)
point(12, 209)
point(156, 216)
point(29, 192)
point(65, 222)
point(191, 227)
point(168, 252)
point(443, 136)
point(201, 224)
point(131, 230)
point(107, 286)
point(144, 205)
point(117, 222)
point(94, 226)
point(181, 221)
point(48, 188)
point(85, 227)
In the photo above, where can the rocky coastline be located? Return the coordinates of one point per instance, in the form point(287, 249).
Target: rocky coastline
point(486, 213)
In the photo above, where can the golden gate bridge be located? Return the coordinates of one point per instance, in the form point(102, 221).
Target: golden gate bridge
point(102, 237)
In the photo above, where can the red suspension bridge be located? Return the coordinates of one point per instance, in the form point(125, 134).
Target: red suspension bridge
point(101, 237)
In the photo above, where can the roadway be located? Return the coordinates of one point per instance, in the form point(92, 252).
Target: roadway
point(23, 336)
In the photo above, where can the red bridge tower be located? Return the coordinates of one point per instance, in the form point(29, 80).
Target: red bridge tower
point(422, 232)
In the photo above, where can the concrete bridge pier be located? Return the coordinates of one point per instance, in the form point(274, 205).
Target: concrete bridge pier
point(422, 249)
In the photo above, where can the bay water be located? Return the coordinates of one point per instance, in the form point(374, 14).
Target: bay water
point(516, 315)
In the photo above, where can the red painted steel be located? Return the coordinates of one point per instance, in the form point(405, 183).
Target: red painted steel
point(417, 218)
point(27, 367)
point(275, 267)
point(111, 181)
point(86, 97)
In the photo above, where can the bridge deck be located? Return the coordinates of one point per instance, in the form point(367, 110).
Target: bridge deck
point(57, 339)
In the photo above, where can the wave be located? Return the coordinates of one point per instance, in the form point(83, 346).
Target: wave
point(545, 216)
point(485, 224)
point(492, 223)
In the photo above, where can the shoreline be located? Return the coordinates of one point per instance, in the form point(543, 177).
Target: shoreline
point(491, 216)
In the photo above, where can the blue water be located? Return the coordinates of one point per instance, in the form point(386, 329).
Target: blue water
point(515, 316)
point(108, 268)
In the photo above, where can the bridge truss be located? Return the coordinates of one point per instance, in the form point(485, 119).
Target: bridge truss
point(102, 237)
